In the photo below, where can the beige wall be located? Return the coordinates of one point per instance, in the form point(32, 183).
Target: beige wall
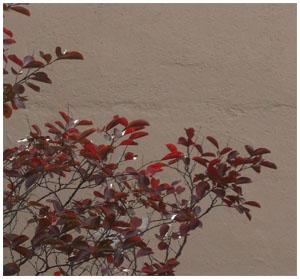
point(229, 69)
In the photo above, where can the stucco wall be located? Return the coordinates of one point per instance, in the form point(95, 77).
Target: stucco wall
point(229, 69)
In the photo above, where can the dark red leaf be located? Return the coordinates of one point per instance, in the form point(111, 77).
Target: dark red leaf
point(261, 151)
point(41, 76)
point(243, 180)
point(33, 86)
point(201, 160)
point(33, 64)
point(268, 164)
point(71, 55)
point(136, 222)
point(131, 242)
point(201, 188)
point(129, 156)
point(213, 141)
point(144, 252)
point(10, 269)
point(24, 251)
point(87, 133)
point(7, 111)
point(162, 245)
point(184, 229)
point(20, 10)
point(84, 123)
point(65, 116)
point(225, 150)
point(248, 215)
point(179, 189)
point(58, 52)
point(253, 203)
point(9, 41)
point(163, 229)
point(190, 132)
point(183, 141)
point(249, 149)
point(46, 56)
point(20, 239)
point(138, 135)
point(98, 194)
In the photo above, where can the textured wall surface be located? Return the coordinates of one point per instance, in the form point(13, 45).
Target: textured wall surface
point(229, 69)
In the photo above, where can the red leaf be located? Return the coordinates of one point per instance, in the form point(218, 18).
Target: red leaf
point(225, 150)
point(65, 116)
point(58, 52)
point(148, 269)
point(7, 111)
point(268, 164)
point(199, 148)
point(87, 133)
point(135, 222)
point(249, 149)
point(164, 228)
point(84, 123)
point(154, 168)
point(171, 147)
point(9, 41)
point(179, 190)
point(190, 132)
point(91, 149)
point(183, 141)
point(213, 141)
point(201, 188)
point(20, 239)
point(253, 203)
point(46, 56)
point(138, 135)
point(33, 86)
point(248, 215)
point(128, 142)
point(144, 252)
point(243, 180)
point(42, 77)
point(174, 155)
point(162, 245)
point(201, 160)
point(15, 59)
point(137, 123)
point(116, 120)
point(209, 154)
point(184, 229)
point(7, 32)
point(172, 262)
point(129, 156)
point(71, 55)
point(131, 242)
point(261, 151)
point(24, 251)
point(98, 194)
point(20, 10)
point(33, 64)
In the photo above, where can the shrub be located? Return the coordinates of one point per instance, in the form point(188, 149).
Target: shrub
point(86, 210)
